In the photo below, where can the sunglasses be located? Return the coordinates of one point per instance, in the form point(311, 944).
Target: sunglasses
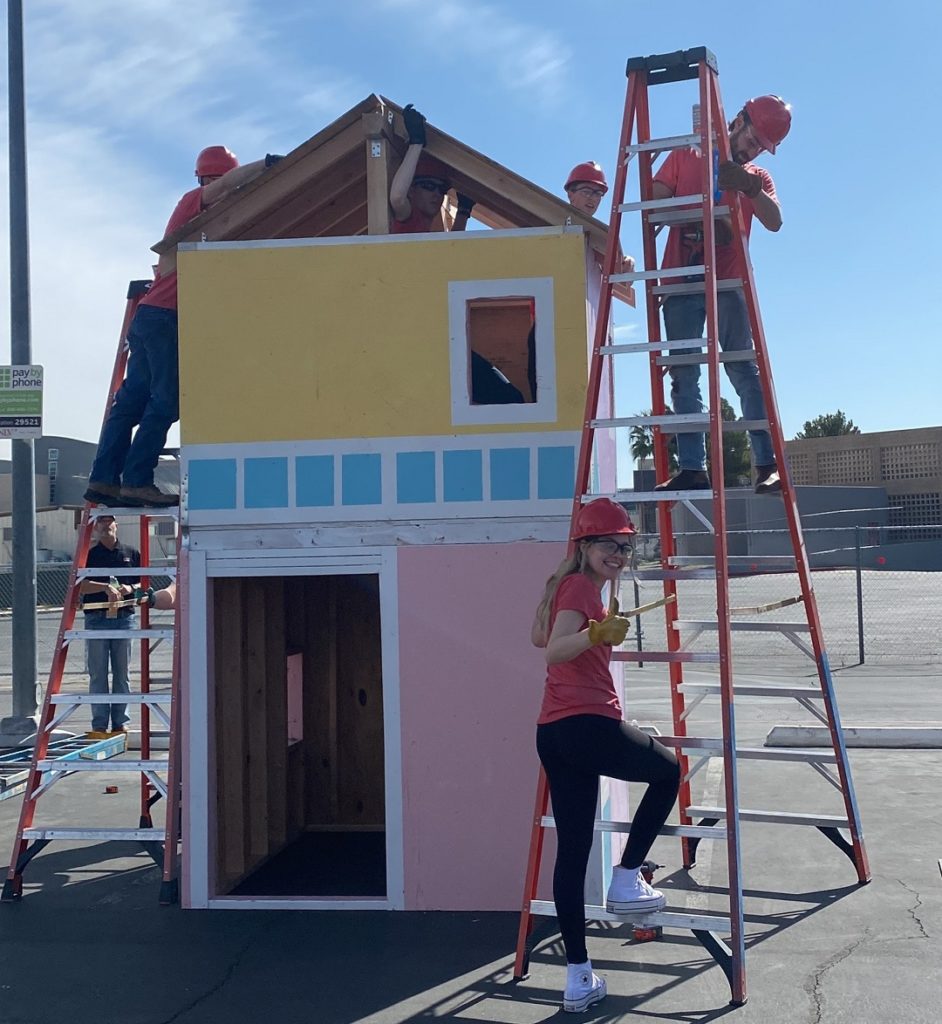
point(431, 186)
point(612, 547)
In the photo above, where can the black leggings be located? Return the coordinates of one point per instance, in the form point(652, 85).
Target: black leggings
point(575, 751)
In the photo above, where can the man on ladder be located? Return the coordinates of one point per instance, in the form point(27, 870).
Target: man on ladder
point(149, 398)
point(760, 126)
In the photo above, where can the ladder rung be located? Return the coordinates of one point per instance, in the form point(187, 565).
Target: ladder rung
point(135, 571)
point(683, 831)
point(119, 634)
point(663, 918)
point(662, 145)
point(715, 743)
point(703, 657)
point(755, 690)
point(661, 204)
point(683, 216)
point(745, 627)
point(692, 287)
point(695, 358)
point(151, 511)
point(651, 346)
point(773, 817)
point(653, 275)
point(63, 765)
point(137, 835)
point(679, 423)
point(676, 574)
point(155, 697)
point(756, 560)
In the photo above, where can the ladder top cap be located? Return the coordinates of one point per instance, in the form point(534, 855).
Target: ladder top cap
point(673, 67)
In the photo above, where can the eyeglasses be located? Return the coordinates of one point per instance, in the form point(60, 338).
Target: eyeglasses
point(432, 186)
point(595, 193)
point(612, 547)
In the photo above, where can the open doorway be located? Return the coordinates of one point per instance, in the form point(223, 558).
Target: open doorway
point(299, 737)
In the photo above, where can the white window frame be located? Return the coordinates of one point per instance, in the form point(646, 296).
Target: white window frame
point(543, 410)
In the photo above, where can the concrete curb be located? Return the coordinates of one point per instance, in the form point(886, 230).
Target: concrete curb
point(902, 737)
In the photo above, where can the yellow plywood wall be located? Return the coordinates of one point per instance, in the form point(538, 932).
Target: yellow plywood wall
point(351, 340)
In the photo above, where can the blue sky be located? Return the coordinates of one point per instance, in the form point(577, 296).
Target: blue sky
point(122, 95)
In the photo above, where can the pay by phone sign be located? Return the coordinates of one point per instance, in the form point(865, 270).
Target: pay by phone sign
point(21, 401)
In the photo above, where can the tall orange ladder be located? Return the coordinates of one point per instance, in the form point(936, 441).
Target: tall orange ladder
point(722, 936)
point(159, 777)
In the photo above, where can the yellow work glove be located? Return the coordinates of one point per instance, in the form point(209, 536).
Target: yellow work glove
point(611, 630)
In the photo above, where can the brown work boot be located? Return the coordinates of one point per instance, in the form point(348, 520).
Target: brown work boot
point(99, 493)
point(767, 480)
point(149, 495)
point(686, 480)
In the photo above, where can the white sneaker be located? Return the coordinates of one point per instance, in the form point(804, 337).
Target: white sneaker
point(583, 988)
point(629, 893)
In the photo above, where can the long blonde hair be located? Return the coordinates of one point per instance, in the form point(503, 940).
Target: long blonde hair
point(569, 566)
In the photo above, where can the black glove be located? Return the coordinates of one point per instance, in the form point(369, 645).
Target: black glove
point(142, 596)
point(272, 158)
point(465, 204)
point(415, 125)
point(733, 176)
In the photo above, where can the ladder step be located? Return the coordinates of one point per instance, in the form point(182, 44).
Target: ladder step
point(744, 627)
point(692, 287)
point(661, 204)
point(151, 511)
point(703, 657)
point(57, 765)
point(693, 359)
point(752, 560)
point(663, 918)
point(715, 743)
point(654, 275)
point(682, 831)
point(773, 817)
point(119, 634)
point(156, 697)
point(133, 571)
point(662, 145)
point(136, 835)
point(679, 423)
point(651, 346)
point(750, 690)
point(676, 574)
point(682, 216)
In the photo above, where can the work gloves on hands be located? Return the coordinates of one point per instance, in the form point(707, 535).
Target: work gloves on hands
point(731, 175)
point(272, 158)
point(611, 630)
point(142, 596)
point(415, 125)
point(465, 204)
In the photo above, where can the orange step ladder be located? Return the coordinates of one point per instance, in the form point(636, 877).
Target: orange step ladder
point(159, 777)
point(722, 936)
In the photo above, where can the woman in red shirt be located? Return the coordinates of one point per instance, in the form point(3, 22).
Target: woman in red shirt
point(581, 736)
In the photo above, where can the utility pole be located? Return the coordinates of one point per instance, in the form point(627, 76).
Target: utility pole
point(22, 722)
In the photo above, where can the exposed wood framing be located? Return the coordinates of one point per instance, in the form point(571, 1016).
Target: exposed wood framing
point(377, 173)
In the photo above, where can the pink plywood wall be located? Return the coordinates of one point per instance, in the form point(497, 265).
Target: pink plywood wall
point(471, 685)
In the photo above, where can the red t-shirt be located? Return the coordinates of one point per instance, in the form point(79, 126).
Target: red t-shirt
point(681, 173)
point(415, 222)
point(584, 685)
point(163, 292)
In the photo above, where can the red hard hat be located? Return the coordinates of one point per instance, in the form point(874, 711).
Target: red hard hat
point(429, 167)
point(771, 117)
point(600, 518)
point(590, 171)
point(215, 160)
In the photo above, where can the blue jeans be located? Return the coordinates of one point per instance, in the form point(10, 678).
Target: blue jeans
point(100, 652)
point(684, 317)
point(149, 399)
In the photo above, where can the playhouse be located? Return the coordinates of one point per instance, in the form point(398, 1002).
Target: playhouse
point(365, 542)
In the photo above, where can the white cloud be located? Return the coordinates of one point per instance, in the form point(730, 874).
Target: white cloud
point(522, 57)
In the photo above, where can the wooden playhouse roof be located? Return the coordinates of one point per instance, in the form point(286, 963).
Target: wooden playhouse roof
point(337, 183)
